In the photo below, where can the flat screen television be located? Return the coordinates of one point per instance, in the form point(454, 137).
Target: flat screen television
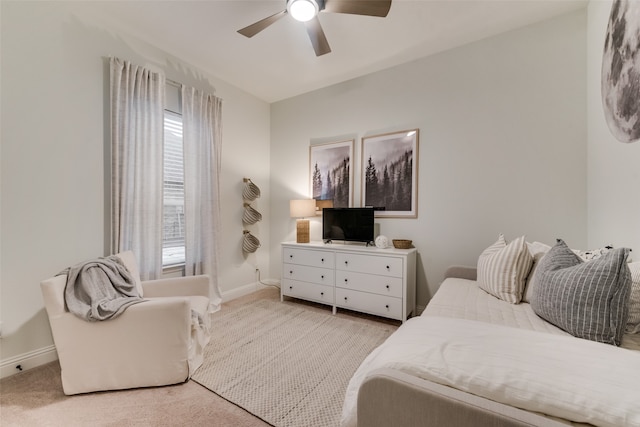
point(348, 224)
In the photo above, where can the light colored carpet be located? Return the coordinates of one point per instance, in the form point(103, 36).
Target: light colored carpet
point(287, 363)
point(34, 398)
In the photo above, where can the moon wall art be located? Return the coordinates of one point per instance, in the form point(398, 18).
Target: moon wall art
point(621, 71)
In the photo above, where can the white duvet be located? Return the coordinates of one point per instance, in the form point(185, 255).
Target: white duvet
point(558, 375)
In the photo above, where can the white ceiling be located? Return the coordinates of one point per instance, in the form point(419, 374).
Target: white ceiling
point(279, 62)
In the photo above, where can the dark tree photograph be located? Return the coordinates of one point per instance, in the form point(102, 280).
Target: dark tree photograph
point(389, 172)
point(331, 172)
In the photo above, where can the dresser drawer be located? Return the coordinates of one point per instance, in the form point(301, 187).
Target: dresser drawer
point(304, 273)
point(354, 277)
point(369, 303)
point(308, 291)
point(381, 265)
point(381, 285)
point(308, 257)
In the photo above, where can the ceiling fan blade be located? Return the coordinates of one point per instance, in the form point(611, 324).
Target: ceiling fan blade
point(255, 28)
point(316, 34)
point(359, 7)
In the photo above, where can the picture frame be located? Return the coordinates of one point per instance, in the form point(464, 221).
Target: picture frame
point(390, 173)
point(331, 173)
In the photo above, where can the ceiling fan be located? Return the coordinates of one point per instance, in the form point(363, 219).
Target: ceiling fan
point(307, 11)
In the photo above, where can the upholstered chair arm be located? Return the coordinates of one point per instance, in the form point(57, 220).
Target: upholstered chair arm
point(461, 272)
point(177, 286)
point(107, 354)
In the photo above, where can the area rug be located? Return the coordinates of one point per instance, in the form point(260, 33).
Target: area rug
point(287, 363)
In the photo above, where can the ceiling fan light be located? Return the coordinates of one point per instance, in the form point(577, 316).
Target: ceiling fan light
point(302, 10)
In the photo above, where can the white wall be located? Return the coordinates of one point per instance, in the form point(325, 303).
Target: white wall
point(54, 139)
point(613, 166)
point(502, 143)
point(504, 124)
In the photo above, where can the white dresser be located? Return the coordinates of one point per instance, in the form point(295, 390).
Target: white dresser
point(355, 277)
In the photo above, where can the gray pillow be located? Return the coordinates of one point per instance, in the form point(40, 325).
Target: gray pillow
point(587, 299)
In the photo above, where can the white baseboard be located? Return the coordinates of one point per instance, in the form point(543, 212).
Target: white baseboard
point(239, 292)
point(48, 354)
point(28, 360)
point(246, 290)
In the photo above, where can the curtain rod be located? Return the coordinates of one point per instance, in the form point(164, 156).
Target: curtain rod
point(179, 86)
point(173, 82)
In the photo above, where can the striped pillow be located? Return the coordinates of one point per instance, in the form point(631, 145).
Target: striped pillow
point(503, 268)
point(633, 322)
point(587, 299)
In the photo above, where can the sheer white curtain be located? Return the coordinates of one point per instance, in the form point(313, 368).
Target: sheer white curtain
point(137, 105)
point(202, 138)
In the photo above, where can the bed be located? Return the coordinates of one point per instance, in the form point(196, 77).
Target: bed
point(472, 359)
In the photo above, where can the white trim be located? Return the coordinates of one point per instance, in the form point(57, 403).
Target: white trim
point(248, 289)
point(240, 292)
point(28, 360)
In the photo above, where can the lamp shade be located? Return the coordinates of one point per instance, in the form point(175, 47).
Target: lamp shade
point(302, 208)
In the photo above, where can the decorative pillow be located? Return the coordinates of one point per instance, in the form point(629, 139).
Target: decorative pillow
point(587, 299)
point(592, 253)
point(537, 251)
point(502, 269)
point(633, 322)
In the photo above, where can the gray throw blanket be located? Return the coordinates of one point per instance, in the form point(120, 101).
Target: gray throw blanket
point(100, 289)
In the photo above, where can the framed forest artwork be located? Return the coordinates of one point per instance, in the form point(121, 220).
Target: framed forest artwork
point(331, 172)
point(390, 173)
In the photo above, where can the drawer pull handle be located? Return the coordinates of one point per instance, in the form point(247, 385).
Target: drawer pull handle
point(387, 286)
point(388, 267)
point(322, 260)
point(322, 277)
point(321, 294)
point(290, 287)
point(290, 271)
point(346, 263)
point(345, 298)
point(387, 306)
point(346, 280)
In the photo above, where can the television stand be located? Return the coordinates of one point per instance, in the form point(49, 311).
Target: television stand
point(381, 282)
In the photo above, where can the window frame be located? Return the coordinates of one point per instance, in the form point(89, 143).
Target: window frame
point(173, 131)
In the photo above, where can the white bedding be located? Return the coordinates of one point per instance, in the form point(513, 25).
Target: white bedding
point(463, 299)
point(555, 374)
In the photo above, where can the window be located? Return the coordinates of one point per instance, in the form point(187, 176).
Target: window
point(173, 244)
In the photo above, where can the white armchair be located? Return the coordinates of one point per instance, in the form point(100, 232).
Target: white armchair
point(156, 342)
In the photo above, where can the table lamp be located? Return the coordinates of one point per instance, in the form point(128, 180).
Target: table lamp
point(300, 209)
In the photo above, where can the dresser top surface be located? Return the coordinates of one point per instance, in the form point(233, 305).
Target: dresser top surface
point(340, 246)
